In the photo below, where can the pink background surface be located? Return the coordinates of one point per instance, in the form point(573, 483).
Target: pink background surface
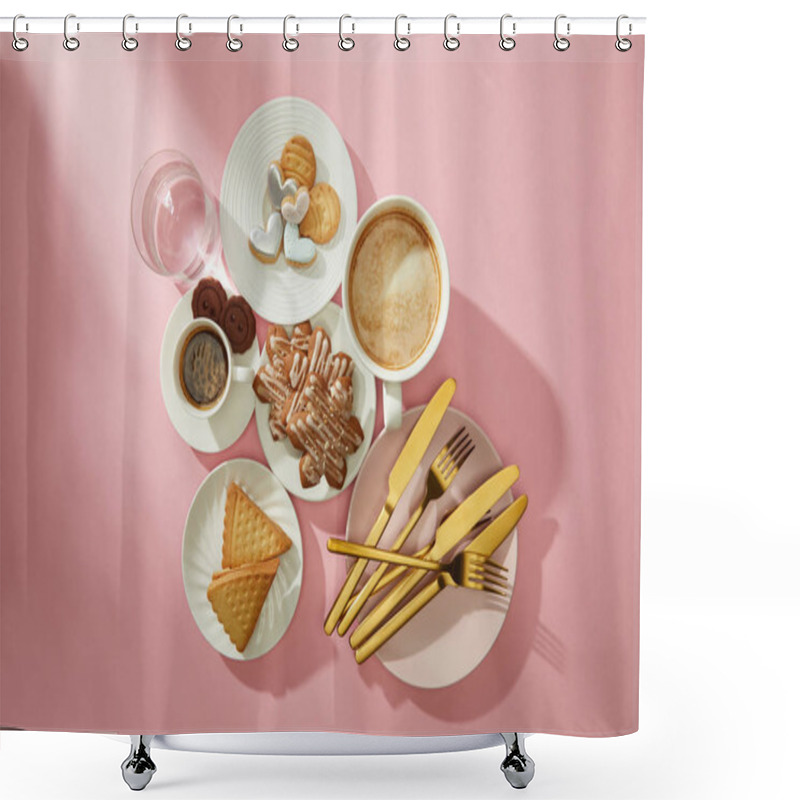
point(530, 163)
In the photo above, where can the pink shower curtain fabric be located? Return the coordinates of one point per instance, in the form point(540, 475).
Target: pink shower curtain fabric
point(115, 499)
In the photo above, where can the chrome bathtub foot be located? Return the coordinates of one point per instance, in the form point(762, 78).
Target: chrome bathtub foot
point(138, 768)
point(517, 766)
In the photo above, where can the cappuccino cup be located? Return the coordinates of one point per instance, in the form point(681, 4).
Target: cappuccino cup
point(203, 368)
point(396, 294)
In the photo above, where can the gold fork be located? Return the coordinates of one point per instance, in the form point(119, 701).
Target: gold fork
point(441, 474)
point(470, 570)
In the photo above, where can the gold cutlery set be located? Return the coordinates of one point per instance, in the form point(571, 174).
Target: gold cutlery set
point(472, 568)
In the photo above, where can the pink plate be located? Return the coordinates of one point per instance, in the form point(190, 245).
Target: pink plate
point(445, 641)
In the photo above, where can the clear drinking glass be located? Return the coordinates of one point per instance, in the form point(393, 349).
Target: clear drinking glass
point(174, 218)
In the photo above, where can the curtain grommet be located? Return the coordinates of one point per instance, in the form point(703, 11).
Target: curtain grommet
point(233, 44)
point(71, 43)
point(507, 42)
point(183, 43)
point(561, 43)
point(129, 43)
point(346, 43)
point(451, 43)
point(401, 43)
point(18, 42)
point(290, 44)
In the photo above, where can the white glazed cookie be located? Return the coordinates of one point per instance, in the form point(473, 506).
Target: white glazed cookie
point(277, 189)
point(266, 245)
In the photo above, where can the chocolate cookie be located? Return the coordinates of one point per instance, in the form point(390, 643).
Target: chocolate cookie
point(239, 323)
point(208, 300)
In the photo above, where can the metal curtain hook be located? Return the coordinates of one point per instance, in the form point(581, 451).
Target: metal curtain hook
point(129, 43)
point(623, 45)
point(507, 42)
point(70, 42)
point(451, 42)
point(181, 41)
point(346, 42)
point(561, 43)
point(18, 43)
point(401, 42)
point(233, 44)
point(290, 44)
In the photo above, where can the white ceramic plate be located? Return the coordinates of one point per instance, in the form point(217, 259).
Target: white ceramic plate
point(278, 292)
point(281, 456)
point(202, 555)
point(453, 633)
point(221, 430)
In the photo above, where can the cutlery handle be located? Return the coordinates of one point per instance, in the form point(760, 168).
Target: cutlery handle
point(361, 598)
point(376, 554)
point(384, 608)
point(355, 573)
point(385, 632)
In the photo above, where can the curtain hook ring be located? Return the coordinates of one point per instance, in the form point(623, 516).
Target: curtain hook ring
point(507, 42)
point(129, 43)
point(561, 43)
point(233, 44)
point(18, 43)
point(623, 45)
point(181, 41)
point(290, 44)
point(451, 42)
point(401, 42)
point(346, 42)
point(70, 42)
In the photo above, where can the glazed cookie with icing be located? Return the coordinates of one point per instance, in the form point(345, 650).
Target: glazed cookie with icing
point(300, 251)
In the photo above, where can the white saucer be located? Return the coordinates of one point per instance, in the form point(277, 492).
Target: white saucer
point(202, 555)
point(281, 456)
point(227, 425)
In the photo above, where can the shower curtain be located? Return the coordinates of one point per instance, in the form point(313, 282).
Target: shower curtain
point(253, 305)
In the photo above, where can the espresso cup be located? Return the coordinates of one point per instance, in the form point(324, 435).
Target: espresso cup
point(203, 368)
point(396, 294)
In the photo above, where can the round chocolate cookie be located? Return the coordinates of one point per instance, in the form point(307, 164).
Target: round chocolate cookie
point(239, 323)
point(208, 300)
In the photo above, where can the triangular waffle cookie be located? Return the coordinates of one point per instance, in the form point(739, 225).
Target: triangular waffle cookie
point(237, 597)
point(249, 535)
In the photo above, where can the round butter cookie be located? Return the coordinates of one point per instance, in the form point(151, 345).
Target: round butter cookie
point(298, 161)
point(324, 212)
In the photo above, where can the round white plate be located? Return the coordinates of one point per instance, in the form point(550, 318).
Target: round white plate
point(227, 425)
point(278, 292)
point(455, 631)
point(202, 555)
point(282, 457)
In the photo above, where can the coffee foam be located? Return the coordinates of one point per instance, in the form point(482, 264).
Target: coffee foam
point(394, 289)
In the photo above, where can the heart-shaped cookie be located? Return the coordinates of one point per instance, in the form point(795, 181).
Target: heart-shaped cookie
point(299, 250)
point(277, 188)
point(265, 245)
point(294, 209)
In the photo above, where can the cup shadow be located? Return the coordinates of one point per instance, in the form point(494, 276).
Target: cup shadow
point(537, 446)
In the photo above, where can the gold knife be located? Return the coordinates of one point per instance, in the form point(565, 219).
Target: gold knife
point(448, 535)
point(485, 544)
point(407, 462)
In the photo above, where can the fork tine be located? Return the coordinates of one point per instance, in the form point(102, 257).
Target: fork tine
point(484, 570)
point(458, 460)
point(496, 565)
point(492, 591)
point(453, 450)
point(490, 579)
point(445, 451)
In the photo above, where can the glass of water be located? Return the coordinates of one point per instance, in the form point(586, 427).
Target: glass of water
point(174, 218)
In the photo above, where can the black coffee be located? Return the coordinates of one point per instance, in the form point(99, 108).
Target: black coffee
point(204, 368)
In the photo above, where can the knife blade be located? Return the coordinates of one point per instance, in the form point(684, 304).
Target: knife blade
point(404, 468)
point(485, 544)
point(448, 535)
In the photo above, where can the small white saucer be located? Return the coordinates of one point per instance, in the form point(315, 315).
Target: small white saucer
point(222, 429)
point(281, 456)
